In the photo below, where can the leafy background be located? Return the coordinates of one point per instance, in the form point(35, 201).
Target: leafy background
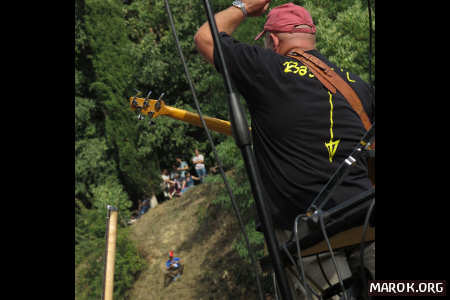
point(121, 46)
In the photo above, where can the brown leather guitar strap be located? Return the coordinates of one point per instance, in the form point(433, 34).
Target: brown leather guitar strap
point(332, 81)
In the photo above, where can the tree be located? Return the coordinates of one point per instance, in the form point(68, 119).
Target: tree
point(122, 45)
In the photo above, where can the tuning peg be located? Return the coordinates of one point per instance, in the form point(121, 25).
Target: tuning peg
point(138, 112)
point(134, 102)
point(158, 105)
point(150, 115)
point(146, 99)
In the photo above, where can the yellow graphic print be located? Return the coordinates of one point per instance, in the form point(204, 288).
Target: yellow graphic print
point(331, 145)
point(348, 78)
point(292, 67)
point(301, 70)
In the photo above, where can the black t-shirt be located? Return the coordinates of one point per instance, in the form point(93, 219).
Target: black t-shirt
point(301, 132)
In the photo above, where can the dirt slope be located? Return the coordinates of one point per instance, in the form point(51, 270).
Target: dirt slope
point(201, 235)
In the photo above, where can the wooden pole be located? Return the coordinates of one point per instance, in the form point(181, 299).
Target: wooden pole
point(111, 231)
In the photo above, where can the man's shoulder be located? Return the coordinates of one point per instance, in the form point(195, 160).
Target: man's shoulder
point(245, 51)
point(348, 75)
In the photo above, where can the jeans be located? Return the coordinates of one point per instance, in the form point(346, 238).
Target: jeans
point(201, 173)
point(144, 210)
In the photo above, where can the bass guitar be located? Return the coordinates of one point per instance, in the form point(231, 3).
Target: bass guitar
point(155, 108)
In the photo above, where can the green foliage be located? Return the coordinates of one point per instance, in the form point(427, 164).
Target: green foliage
point(128, 265)
point(90, 230)
point(343, 34)
point(89, 274)
point(231, 158)
point(120, 46)
point(111, 193)
point(256, 240)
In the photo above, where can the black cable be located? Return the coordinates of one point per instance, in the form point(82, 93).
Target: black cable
point(322, 270)
point(342, 170)
point(300, 265)
point(370, 42)
point(361, 253)
point(219, 162)
point(293, 263)
point(322, 227)
point(275, 286)
point(363, 274)
point(242, 139)
point(301, 280)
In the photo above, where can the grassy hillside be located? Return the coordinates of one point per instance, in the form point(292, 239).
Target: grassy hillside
point(201, 235)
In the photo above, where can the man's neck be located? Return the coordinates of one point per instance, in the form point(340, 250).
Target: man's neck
point(293, 48)
point(286, 45)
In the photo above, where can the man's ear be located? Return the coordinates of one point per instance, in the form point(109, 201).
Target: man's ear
point(275, 42)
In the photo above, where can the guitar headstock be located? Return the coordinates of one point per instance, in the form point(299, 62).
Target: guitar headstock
point(145, 106)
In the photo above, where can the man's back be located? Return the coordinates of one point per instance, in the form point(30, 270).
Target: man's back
point(301, 132)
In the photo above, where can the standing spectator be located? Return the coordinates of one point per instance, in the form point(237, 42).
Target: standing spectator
point(199, 164)
point(182, 168)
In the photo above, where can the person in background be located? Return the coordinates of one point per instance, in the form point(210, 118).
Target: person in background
point(167, 183)
point(199, 165)
point(182, 168)
point(189, 182)
point(177, 186)
point(144, 206)
point(174, 269)
point(174, 172)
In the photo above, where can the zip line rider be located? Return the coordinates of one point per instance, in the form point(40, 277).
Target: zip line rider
point(173, 267)
point(301, 132)
point(173, 263)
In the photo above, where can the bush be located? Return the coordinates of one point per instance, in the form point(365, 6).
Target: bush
point(90, 239)
point(90, 272)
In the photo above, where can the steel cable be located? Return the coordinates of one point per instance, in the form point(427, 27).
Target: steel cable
point(219, 162)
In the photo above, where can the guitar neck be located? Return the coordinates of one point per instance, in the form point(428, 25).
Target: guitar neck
point(214, 124)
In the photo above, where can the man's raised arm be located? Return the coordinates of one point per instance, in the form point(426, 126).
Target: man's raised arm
point(227, 21)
